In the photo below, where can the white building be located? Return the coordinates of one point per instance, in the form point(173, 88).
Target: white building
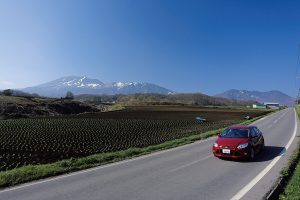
point(259, 106)
point(272, 105)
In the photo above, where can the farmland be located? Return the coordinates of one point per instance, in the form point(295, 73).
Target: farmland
point(49, 139)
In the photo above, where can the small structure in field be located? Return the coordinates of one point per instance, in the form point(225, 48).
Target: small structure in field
point(259, 106)
point(271, 105)
point(248, 117)
point(200, 119)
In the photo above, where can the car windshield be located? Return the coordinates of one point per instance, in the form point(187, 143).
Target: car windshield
point(235, 133)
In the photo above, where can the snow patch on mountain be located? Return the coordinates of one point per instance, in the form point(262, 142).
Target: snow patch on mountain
point(85, 85)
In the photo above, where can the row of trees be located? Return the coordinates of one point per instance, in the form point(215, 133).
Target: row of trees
point(10, 92)
point(7, 92)
point(69, 95)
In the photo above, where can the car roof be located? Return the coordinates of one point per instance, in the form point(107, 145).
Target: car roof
point(241, 127)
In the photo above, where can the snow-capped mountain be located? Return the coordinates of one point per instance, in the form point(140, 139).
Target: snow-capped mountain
point(85, 85)
point(270, 96)
point(73, 81)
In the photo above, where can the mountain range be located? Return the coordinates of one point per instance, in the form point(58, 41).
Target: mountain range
point(269, 96)
point(84, 85)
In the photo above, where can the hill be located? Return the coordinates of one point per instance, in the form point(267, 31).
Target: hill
point(160, 99)
point(23, 107)
point(269, 96)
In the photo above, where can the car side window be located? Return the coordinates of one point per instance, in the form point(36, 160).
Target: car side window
point(253, 132)
point(257, 131)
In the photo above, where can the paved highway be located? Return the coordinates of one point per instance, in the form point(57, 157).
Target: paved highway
point(187, 172)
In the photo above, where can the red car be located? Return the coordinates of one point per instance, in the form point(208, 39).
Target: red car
point(239, 142)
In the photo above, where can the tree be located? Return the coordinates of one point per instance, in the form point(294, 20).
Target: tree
point(69, 95)
point(36, 95)
point(7, 92)
point(97, 99)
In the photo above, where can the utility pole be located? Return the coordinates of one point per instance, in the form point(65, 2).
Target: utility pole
point(297, 77)
point(297, 100)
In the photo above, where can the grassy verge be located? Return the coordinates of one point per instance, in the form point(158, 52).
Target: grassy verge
point(292, 172)
point(34, 172)
point(291, 175)
point(292, 191)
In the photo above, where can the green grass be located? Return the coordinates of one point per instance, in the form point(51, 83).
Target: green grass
point(35, 172)
point(40, 100)
point(292, 189)
point(114, 107)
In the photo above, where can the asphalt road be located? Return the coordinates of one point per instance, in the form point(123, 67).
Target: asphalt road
point(187, 172)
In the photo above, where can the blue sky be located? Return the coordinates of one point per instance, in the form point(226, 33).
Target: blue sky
point(187, 46)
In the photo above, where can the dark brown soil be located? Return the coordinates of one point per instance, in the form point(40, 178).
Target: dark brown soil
point(44, 140)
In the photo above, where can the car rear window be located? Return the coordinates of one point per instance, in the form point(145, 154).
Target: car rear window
point(235, 133)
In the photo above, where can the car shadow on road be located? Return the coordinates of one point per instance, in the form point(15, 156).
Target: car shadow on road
point(269, 153)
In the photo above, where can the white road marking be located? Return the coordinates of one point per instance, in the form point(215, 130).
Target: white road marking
point(261, 119)
point(283, 114)
point(269, 126)
point(250, 185)
point(189, 164)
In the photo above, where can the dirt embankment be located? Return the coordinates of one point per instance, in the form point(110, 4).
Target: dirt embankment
point(21, 107)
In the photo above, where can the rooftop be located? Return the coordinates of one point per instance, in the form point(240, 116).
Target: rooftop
point(272, 103)
point(241, 126)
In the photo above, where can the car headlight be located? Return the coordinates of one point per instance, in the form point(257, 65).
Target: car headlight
point(243, 146)
point(216, 144)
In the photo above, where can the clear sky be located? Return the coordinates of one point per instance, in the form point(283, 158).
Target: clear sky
point(187, 46)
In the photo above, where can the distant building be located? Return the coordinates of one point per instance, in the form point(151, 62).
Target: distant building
point(259, 106)
point(272, 105)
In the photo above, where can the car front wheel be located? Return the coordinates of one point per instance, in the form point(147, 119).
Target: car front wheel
point(252, 154)
point(262, 146)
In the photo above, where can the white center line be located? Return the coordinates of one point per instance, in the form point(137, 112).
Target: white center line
point(269, 126)
point(189, 164)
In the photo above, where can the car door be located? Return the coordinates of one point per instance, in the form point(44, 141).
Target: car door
point(259, 135)
point(254, 138)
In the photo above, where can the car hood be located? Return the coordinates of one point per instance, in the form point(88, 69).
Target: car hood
point(232, 142)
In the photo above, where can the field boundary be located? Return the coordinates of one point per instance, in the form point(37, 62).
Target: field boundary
point(35, 172)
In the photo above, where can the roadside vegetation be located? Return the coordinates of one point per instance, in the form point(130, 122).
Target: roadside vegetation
point(292, 190)
point(291, 175)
